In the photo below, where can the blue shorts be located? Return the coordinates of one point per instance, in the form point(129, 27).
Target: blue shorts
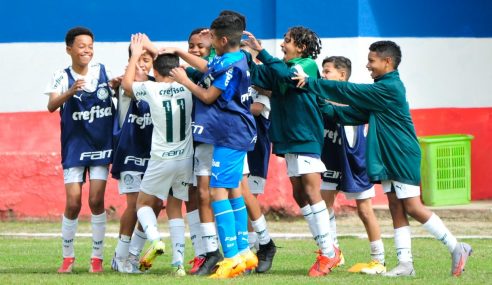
point(227, 167)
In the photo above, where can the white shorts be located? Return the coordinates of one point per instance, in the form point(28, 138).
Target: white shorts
point(367, 194)
point(77, 174)
point(402, 190)
point(161, 175)
point(256, 184)
point(203, 160)
point(129, 182)
point(298, 165)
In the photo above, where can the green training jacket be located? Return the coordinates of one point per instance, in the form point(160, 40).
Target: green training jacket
point(392, 152)
point(296, 120)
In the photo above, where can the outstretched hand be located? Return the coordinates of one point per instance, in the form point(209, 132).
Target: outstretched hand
point(252, 42)
point(167, 50)
point(301, 78)
point(136, 44)
point(179, 75)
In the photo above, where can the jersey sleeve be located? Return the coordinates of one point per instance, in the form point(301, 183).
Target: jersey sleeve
point(143, 90)
point(373, 97)
point(58, 83)
point(265, 101)
point(223, 80)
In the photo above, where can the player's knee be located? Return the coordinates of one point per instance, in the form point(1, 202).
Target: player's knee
point(95, 203)
point(73, 207)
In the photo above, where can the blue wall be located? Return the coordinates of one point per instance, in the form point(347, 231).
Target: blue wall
point(115, 20)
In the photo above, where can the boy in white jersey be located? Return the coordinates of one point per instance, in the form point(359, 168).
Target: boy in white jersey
point(82, 93)
point(171, 152)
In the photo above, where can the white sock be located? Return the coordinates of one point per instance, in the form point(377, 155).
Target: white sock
point(333, 227)
point(436, 227)
point(137, 242)
point(308, 216)
point(209, 237)
point(195, 232)
point(98, 230)
point(253, 240)
point(177, 232)
point(403, 244)
point(148, 220)
point(321, 216)
point(377, 251)
point(122, 247)
point(69, 227)
point(260, 227)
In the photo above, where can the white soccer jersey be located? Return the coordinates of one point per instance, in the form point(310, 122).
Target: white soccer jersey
point(59, 81)
point(259, 98)
point(170, 108)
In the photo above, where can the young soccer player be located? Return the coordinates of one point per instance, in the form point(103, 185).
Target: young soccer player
point(343, 154)
point(297, 132)
point(82, 93)
point(132, 141)
point(223, 112)
point(171, 153)
point(206, 251)
point(393, 153)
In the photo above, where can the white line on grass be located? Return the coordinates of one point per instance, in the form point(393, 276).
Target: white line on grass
point(273, 235)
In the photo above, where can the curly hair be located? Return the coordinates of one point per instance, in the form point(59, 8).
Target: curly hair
point(306, 39)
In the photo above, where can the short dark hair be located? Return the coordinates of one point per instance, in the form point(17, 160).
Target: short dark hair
point(340, 62)
point(164, 63)
point(196, 31)
point(234, 13)
point(77, 31)
point(387, 49)
point(304, 37)
point(229, 26)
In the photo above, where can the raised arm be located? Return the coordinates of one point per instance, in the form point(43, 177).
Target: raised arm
point(207, 96)
point(197, 62)
point(137, 49)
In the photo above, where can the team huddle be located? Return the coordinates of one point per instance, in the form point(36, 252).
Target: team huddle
point(203, 134)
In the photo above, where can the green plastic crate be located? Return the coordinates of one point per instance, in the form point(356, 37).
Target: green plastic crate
point(446, 169)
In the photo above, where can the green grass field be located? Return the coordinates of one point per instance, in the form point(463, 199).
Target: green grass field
point(35, 261)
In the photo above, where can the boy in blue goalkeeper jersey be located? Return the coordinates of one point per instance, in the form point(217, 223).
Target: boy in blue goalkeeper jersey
point(223, 112)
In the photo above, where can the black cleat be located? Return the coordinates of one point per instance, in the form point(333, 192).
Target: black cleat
point(265, 256)
point(210, 264)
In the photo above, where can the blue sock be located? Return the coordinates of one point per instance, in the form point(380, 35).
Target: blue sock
point(241, 216)
point(224, 218)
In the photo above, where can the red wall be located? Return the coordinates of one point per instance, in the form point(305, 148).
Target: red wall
point(30, 160)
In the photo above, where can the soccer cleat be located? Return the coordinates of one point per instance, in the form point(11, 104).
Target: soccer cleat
point(125, 265)
point(67, 265)
point(373, 268)
point(265, 255)
point(210, 264)
point(156, 248)
point(459, 257)
point(250, 260)
point(96, 265)
point(134, 262)
point(403, 269)
point(324, 265)
point(356, 268)
point(197, 262)
point(229, 268)
point(178, 270)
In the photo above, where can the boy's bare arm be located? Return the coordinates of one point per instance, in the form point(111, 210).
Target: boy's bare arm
point(197, 62)
point(56, 100)
point(207, 96)
point(137, 49)
point(149, 46)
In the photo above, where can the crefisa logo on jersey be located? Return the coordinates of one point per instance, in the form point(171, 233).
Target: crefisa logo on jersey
point(171, 91)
